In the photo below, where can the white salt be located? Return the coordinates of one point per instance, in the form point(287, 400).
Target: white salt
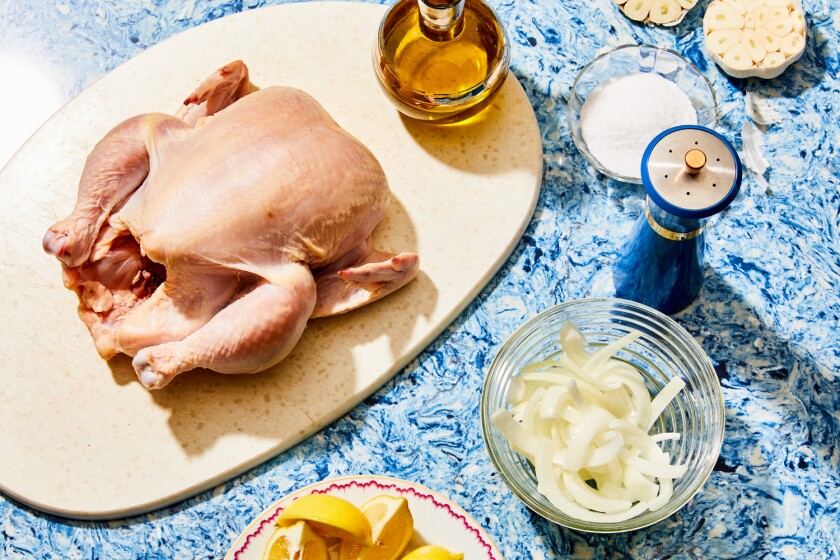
point(621, 116)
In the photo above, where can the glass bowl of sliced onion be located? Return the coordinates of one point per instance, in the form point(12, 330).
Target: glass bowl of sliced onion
point(603, 415)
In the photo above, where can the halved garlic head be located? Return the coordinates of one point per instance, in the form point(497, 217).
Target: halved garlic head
point(754, 37)
point(662, 12)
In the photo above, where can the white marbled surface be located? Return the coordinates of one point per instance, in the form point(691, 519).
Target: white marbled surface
point(768, 315)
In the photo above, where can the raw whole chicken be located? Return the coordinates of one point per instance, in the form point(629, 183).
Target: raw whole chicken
point(209, 238)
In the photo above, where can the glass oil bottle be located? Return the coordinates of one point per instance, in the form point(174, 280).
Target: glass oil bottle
point(441, 60)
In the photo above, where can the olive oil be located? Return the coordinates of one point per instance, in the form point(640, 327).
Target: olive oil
point(439, 60)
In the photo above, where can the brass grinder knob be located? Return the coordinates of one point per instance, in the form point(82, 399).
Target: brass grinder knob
point(695, 160)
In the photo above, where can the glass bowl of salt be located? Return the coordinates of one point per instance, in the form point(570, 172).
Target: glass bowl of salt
point(621, 100)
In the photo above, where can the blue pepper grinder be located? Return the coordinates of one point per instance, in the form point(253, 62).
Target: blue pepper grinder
point(690, 173)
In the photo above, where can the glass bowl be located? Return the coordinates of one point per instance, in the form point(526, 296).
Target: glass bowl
point(663, 351)
point(629, 59)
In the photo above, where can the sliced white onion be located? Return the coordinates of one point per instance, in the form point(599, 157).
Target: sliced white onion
point(552, 402)
point(639, 485)
point(664, 398)
point(640, 397)
point(620, 404)
point(549, 376)
point(518, 411)
point(518, 438)
point(583, 419)
point(569, 364)
point(608, 351)
point(589, 498)
point(665, 436)
point(562, 375)
point(539, 366)
point(576, 395)
point(657, 469)
point(617, 373)
point(530, 416)
point(615, 470)
point(617, 491)
point(666, 490)
point(574, 344)
point(571, 415)
point(516, 391)
point(639, 442)
point(606, 453)
point(549, 486)
point(594, 422)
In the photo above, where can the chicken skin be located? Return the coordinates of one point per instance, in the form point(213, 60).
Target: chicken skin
point(209, 238)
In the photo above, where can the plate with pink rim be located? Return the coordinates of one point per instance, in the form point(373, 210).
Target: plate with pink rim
point(437, 520)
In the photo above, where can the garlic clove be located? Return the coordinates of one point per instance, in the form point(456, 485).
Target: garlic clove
point(637, 9)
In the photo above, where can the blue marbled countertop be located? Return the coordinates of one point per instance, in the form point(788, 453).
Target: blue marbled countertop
point(768, 315)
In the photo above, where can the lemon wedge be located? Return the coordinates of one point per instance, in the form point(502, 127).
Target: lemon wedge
point(329, 516)
point(296, 542)
point(432, 552)
point(391, 525)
